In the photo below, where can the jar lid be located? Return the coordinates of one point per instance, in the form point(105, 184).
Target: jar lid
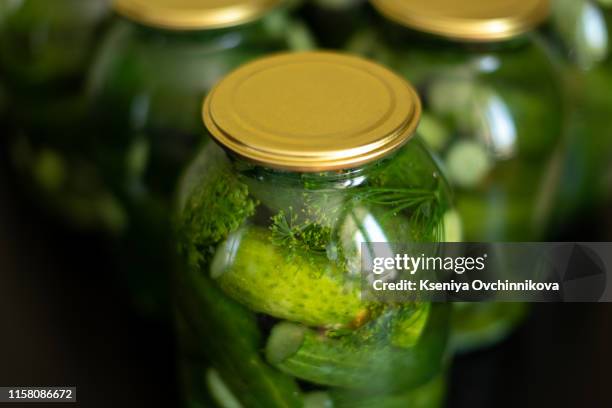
point(193, 14)
point(473, 20)
point(312, 111)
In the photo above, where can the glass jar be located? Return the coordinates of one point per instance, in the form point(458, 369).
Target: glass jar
point(44, 54)
point(492, 111)
point(579, 32)
point(145, 90)
point(315, 155)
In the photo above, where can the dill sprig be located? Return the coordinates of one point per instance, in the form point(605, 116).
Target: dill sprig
point(398, 199)
point(290, 232)
point(424, 205)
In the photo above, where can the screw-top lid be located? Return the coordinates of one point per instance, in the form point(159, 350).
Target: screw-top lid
point(472, 20)
point(312, 111)
point(193, 14)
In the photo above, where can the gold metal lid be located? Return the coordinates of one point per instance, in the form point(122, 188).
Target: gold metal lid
point(193, 14)
point(312, 111)
point(473, 20)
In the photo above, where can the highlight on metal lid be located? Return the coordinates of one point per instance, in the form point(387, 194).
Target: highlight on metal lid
point(312, 111)
point(193, 14)
point(472, 20)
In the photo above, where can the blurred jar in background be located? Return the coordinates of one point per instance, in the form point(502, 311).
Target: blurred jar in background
point(145, 91)
point(334, 21)
point(310, 162)
point(580, 32)
point(493, 110)
point(45, 50)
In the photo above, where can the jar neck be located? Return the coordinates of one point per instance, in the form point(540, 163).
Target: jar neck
point(332, 179)
point(158, 34)
point(267, 30)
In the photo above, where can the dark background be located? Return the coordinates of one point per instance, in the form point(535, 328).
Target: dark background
point(64, 321)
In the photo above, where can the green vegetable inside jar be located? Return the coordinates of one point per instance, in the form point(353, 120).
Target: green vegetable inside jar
point(580, 33)
point(492, 111)
point(315, 155)
point(145, 90)
point(45, 50)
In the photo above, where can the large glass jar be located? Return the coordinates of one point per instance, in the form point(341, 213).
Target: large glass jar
point(580, 33)
point(315, 155)
point(45, 50)
point(492, 110)
point(145, 91)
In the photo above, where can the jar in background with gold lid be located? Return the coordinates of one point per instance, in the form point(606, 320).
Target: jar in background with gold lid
point(493, 111)
point(158, 61)
point(315, 154)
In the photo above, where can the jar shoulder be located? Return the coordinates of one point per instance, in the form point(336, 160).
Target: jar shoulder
point(405, 199)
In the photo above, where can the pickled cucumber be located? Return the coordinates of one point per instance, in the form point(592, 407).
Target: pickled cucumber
point(366, 359)
point(310, 290)
point(230, 340)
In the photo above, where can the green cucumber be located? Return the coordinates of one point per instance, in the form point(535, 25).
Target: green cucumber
point(305, 288)
point(366, 359)
point(230, 341)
